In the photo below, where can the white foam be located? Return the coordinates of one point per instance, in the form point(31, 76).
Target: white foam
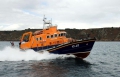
point(15, 54)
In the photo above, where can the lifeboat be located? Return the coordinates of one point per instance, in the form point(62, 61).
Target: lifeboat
point(55, 41)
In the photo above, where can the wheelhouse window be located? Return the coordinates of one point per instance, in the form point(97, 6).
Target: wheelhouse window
point(51, 36)
point(62, 34)
point(26, 38)
point(59, 35)
point(48, 36)
point(37, 39)
point(40, 38)
point(55, 35)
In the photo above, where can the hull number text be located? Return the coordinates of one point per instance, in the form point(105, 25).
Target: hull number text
point(75, 46)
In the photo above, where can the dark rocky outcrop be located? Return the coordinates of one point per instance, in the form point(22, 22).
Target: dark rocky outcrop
point(101, 34)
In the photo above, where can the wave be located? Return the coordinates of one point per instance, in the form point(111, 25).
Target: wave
point(15, 54)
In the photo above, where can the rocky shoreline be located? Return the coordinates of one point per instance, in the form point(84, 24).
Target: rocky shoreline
point(101, 34)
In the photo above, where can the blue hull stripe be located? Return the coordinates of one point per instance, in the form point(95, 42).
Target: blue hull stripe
point(74, 47)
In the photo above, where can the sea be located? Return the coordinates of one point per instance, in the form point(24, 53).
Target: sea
point(103, 61)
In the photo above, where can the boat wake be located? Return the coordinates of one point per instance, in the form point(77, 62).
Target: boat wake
point(15, 54)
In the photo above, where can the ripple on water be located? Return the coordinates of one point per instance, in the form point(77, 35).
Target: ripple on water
point(103, 61)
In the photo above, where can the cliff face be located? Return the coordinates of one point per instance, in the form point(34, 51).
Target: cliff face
point(13, 35)
point(101, 34)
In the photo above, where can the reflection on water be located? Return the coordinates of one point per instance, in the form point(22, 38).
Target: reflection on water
point(58, 67)
point(82, 63)
point(104, 61)
point(47, 70)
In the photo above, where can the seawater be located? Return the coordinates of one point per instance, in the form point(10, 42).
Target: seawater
point(103, 61)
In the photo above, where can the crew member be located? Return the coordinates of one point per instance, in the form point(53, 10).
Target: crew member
point(12, 43)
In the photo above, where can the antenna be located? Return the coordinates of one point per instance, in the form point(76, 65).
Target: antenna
point(51, 21)
point(44, 21)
